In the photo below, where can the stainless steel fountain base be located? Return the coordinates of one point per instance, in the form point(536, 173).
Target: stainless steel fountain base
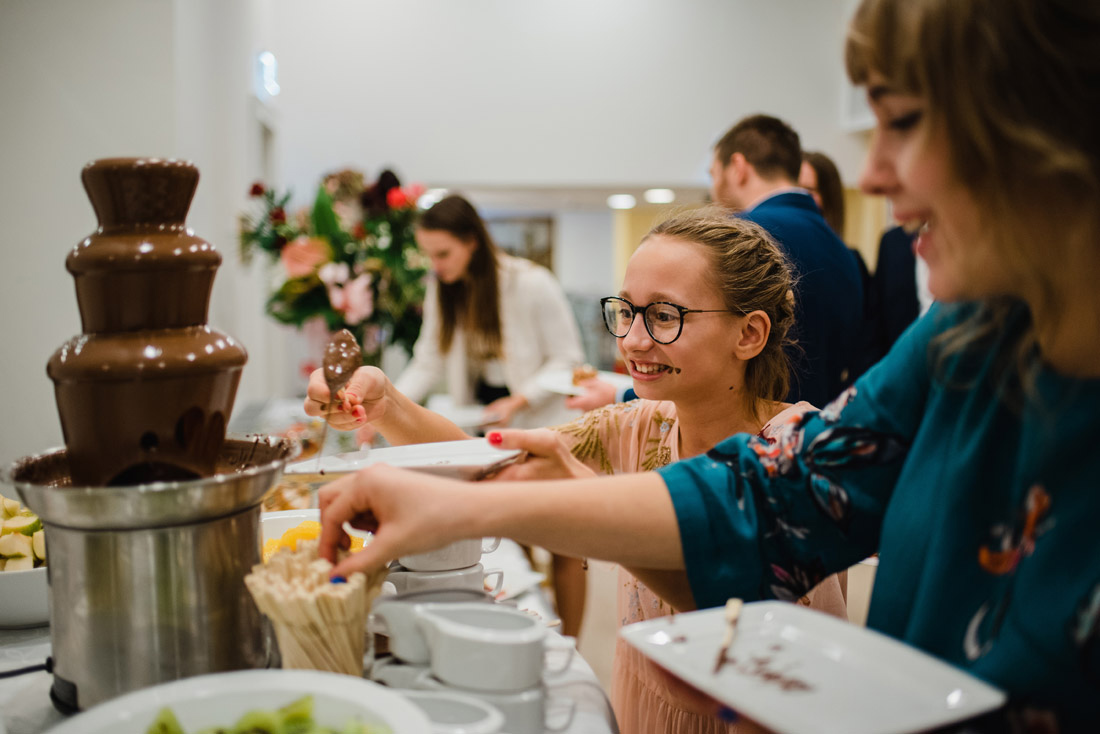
point(147, 582)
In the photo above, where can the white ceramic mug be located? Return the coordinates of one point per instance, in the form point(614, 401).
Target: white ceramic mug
point(462, 554)
point(471, 577)
point(455, 713)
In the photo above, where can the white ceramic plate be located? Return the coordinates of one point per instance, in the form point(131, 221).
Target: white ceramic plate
point(467, 417)
point(220, 699)
point(826, 675)
point(561, 381)
point(456, 459)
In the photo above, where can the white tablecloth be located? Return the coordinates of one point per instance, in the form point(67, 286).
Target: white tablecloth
point(25, 706)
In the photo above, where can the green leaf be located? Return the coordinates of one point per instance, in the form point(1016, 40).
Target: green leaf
point(324, 219)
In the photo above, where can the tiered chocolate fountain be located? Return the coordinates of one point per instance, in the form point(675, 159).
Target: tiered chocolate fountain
point(151, 515)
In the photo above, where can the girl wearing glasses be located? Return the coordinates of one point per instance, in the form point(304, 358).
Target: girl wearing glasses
point(705, 370)
point(703, 373)
point(967, 457)
point(492, 322)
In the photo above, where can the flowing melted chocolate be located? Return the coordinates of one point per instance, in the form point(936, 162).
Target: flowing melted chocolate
point(145, 392)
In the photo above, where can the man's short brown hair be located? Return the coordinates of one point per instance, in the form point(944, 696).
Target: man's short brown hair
point(768, 143)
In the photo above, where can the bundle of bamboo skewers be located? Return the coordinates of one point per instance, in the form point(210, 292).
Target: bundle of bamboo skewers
point(319, 625)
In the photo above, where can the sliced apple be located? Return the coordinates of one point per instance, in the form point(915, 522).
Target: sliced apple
point(10, 508)
point(24, 563)
point(38, 544)
point(16, 545)
point(24, 524)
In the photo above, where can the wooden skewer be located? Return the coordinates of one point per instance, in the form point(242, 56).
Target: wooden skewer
point(732, 613)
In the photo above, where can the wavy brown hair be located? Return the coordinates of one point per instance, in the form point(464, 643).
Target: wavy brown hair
point(472, 302)
point(1014, 88)
point(829, 187)
point(752, 274)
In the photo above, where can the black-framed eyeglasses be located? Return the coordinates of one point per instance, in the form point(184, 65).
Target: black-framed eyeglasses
point(664, 321)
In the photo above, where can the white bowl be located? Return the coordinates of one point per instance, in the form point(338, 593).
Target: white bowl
point(24, 598)
point(222, 698)
point(274, 524)
point(452, 713)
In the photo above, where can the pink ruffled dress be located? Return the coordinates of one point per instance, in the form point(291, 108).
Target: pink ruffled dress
point(643, 435)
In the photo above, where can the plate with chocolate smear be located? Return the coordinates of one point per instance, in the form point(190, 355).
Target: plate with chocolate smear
point(471, 460)
point(799, 671)
point(567, 382)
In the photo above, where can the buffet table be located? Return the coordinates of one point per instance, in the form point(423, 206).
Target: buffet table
point(25, 706)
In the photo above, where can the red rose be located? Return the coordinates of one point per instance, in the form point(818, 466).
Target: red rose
point(396, 198)
point(360, 232)
point(278, 214)
point(257, 190)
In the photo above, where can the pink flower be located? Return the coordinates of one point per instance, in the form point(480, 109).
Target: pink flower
point(333, 274)
point(358, 300)
point(304, 255)
point(336, 298)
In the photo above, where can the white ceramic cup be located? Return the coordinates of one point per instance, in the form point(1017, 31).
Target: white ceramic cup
point(462, 554)
point(454, 713)
point(470, 577)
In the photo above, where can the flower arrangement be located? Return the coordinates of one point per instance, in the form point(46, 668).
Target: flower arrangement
point(350, 262)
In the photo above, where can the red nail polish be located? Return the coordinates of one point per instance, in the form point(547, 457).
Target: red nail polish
point(495, 438)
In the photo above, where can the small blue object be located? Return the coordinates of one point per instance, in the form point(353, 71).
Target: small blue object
point(728, 715)
point(338, 580)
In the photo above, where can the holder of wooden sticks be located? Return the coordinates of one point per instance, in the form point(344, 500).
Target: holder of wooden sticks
point(319, 624)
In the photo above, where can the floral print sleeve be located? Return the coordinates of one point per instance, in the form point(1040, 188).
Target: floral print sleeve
point(762, 519)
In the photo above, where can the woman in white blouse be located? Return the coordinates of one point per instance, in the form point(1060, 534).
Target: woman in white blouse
point(492, 323)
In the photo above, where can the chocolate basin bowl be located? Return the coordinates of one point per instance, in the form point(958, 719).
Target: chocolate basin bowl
point(147, 581)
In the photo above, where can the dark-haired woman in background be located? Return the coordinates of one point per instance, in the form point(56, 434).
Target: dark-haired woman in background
point(492, 323)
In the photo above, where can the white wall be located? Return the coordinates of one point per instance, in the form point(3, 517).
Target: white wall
point(81, 81)
point(569, 93)
point(78, 81)
point(583, 261)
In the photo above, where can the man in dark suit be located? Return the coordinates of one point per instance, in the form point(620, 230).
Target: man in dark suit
point(895, 286)
point(755, 172)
